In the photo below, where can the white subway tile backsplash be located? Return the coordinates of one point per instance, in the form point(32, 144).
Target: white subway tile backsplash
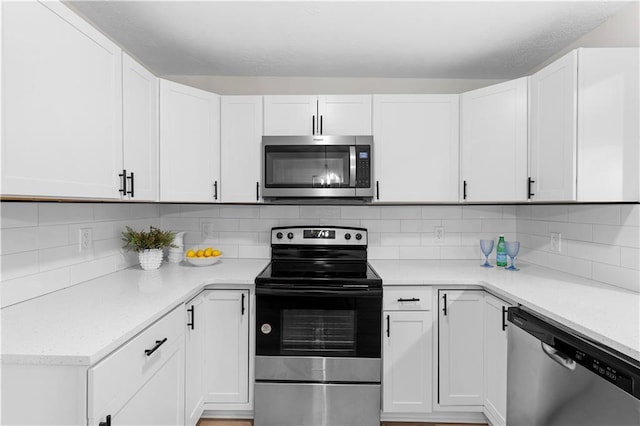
point(340, 222)
point(279, 212)
point(199, 210)
point(60, 213)
point(19, 264)
point(482, 212)
point(239, 238)
point(626, 236)
point(419, 253)
point(59, 257)
point(460, 252)
point(178, 224)
point(53, 236)
point(392, 253)
point(256, 225)
point(450, 239)
point(244, 212)
point(551, 213)
point(400, 239)
point(15, 215)
point(99, 230)
point(499, 226)
point(254, 252)
point(92, 269)
point(630, 258)
point(400, 212)
point(16, 240)
point(141, 211)
point(570, 265)
point(442, 212)
point(169, 210)
point(607, 214)
point(360, 212)
point(509, 212)
point(320, 212)
point(593, 251)
point(615, 275)
point(523, 212)
point(572, 231)
point(461, 225)
point(418, 225)
point(384, 225)
point(630, 215)
point(102, 212)
point(28, 287)
point(532, 227)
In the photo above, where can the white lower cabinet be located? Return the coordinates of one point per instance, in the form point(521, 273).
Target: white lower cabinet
point(407, 351)
point(495, 360)
point(461, 347)
point(142, 382)
point(194, 359)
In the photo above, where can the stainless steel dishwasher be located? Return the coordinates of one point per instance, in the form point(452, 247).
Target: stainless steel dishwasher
point(558, 377)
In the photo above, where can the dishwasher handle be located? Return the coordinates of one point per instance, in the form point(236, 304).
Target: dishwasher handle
point(558, 356)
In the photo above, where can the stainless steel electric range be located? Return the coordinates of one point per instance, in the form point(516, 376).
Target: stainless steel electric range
point(318, 330)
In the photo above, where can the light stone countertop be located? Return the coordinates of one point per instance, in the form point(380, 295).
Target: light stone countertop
point(80, 325)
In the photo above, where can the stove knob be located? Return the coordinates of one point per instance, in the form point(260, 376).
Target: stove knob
point(290, 235)
point(279, 235)
point(347, 236)
point(358, 236)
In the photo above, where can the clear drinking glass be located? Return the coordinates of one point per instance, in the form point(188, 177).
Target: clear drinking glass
point(513, 247)
point(487, 247)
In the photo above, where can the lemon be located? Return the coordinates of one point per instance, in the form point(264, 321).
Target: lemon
point(216, 253)
point(191, 253)
point(200, 253)
point(208, 252)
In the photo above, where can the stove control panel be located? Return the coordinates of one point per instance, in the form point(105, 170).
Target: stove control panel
point(319, 235)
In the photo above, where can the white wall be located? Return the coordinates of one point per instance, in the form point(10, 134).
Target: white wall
point(230, 85)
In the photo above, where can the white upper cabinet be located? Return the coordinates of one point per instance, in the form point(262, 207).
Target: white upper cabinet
point(61, 104)
point(344, 115)
point(241, 136)
point(189, 143)
point(552, 147)
point(140, 130)
point(584, 127)
point(416, 147)
point(608, 131)
point(317, 115)
point(494, 143)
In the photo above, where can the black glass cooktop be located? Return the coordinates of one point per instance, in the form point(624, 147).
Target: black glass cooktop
point(309, 272)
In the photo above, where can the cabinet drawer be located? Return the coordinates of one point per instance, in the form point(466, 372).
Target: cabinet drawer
point(410, 298)
point(119, 375)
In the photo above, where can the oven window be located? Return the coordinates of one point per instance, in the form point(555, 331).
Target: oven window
point(318, 330)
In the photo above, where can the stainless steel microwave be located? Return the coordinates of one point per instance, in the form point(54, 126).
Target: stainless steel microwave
point(317, 166)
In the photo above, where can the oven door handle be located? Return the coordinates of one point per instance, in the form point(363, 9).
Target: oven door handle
point(372, 292)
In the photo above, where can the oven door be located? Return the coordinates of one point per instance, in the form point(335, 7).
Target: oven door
point(318, 322)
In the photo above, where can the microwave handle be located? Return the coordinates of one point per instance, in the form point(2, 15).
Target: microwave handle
point(352, 166)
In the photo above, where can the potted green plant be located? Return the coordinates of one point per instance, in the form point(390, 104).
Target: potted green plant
point(149, 245)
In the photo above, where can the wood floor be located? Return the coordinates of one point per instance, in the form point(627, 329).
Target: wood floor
point(221, 422)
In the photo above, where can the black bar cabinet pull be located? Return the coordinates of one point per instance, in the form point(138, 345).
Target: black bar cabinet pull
point(464, 189)
point(313, 124)
point(529, 182)
point(215, 190)
point(193, 318)
point(123, 175)
point(388, 326)
point(504, 318)
point(107, 422)
point(159, 343)
point(377, 190)
point(320, 124)
point(257, 191)
point(132, 185)
point(413, 299)
point(444, 309)
point(242, 304)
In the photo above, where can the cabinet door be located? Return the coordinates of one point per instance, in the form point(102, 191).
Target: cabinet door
point(345, 115)
point(494, 143)
point(407, 362)
point(552, 148)
point(160, 401)
point(416, 147)
point(240, 150)
point(195, 359)
point(140, 129)
point(608, 130)
point(460, 351)
point(290, 115)
point(61, 104)
point(227, 346)
point(495, 360)
point(189, 143)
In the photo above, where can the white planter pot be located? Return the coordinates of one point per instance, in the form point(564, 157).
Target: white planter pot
point(150, 259)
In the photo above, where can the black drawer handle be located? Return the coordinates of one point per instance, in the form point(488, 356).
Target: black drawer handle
point(242, 305)
point(529, 182)
point(504, 318)
point(107, 422)
point(132, 185)
point(413, 299)
point(388, 326)
point(159, 343)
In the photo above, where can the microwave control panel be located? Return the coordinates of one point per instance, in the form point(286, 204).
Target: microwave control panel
point(363, 166)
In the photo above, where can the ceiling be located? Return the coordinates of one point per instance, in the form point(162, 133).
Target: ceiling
point(419, 39)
